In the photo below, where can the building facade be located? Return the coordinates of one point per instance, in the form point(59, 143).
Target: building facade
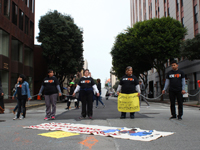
point(17, 19)
point(185, 11)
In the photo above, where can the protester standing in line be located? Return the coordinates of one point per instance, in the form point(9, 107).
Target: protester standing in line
point(72, 88)
point(1, 99)
point(176, 79)
point(86, 85)
point(128, 85)
point(23, 93)
point(98, 98)
point(51, 87)
point(142, 89)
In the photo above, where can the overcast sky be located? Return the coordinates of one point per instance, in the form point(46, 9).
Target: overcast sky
point(101, 21)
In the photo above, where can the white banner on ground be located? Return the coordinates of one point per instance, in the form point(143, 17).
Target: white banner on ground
point(115, 132)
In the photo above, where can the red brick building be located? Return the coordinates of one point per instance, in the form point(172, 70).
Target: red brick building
point(17, 20)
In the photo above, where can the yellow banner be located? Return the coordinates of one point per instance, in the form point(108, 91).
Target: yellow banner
point(128, 102)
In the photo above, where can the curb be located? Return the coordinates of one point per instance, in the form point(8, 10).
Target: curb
point(34, 105)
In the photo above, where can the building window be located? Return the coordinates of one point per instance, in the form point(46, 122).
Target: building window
point(4, 43)
point(182, 21)
point(7, 8)
point(16, 50)
point(26, 24)
point(177, 5)
point(195, 14)
point(14, 13)
point(28, 57)
point(21, 19)
point(4, 82)
point(168, 11)
point(31, 29)
point(30, 5)
point(33, 3)
point(27, 3)
point(181, 3)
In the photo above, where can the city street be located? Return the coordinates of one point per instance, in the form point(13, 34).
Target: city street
point(13, 136)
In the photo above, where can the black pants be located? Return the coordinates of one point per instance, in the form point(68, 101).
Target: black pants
point(123, 114)
point(173, 95)
point(87, 101)
point(22, 105)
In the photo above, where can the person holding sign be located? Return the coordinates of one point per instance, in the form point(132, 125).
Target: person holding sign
point(86, 85)
point(129, 87)
point(176, 79)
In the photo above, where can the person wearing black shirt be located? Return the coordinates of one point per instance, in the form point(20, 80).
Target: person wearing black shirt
point(86, 85)
point(1, 99)
point(176, 79)
point(51, 88)
point(128, 85)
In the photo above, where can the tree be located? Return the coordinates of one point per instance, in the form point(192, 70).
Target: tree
point(62, 45)
point(190, 48)
point(124, 53)
point(159, 39)
point(116, 86)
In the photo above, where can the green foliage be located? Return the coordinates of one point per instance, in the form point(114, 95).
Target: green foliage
point(190, 48)
point(159, 39)
point(62, 45)
point(149, 44)
point(116, 85)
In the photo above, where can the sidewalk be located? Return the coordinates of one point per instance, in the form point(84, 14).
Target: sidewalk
point(29, 104)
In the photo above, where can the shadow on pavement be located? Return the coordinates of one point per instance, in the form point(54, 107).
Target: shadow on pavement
point(100, 113)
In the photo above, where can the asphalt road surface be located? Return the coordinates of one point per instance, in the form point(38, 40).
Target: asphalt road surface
point(187, 132)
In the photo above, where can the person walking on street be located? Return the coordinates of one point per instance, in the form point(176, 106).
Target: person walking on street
point(51, 87)
point(86, 85)
point(142, 89)
point(176, 79)
point(128, 85)
point(98, 98)
point(23, 93)
point(1, 99)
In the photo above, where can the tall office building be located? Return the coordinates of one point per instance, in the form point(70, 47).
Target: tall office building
point(185, 11)
point(17, 19)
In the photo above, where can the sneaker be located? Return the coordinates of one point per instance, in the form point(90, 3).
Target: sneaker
point(15, 118)
point(53, 118)
point(104, 106)
point(46, 118)
point(132, 116)
point(173, 117)
point(22, 117)
point(96, 106)
point(13, 112)
point(67, 108)
point(90, 117)
point(81, 117)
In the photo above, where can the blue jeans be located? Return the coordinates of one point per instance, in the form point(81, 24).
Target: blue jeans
point(99, 98)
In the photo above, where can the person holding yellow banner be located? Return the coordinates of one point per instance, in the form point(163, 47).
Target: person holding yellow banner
point(128, 99)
